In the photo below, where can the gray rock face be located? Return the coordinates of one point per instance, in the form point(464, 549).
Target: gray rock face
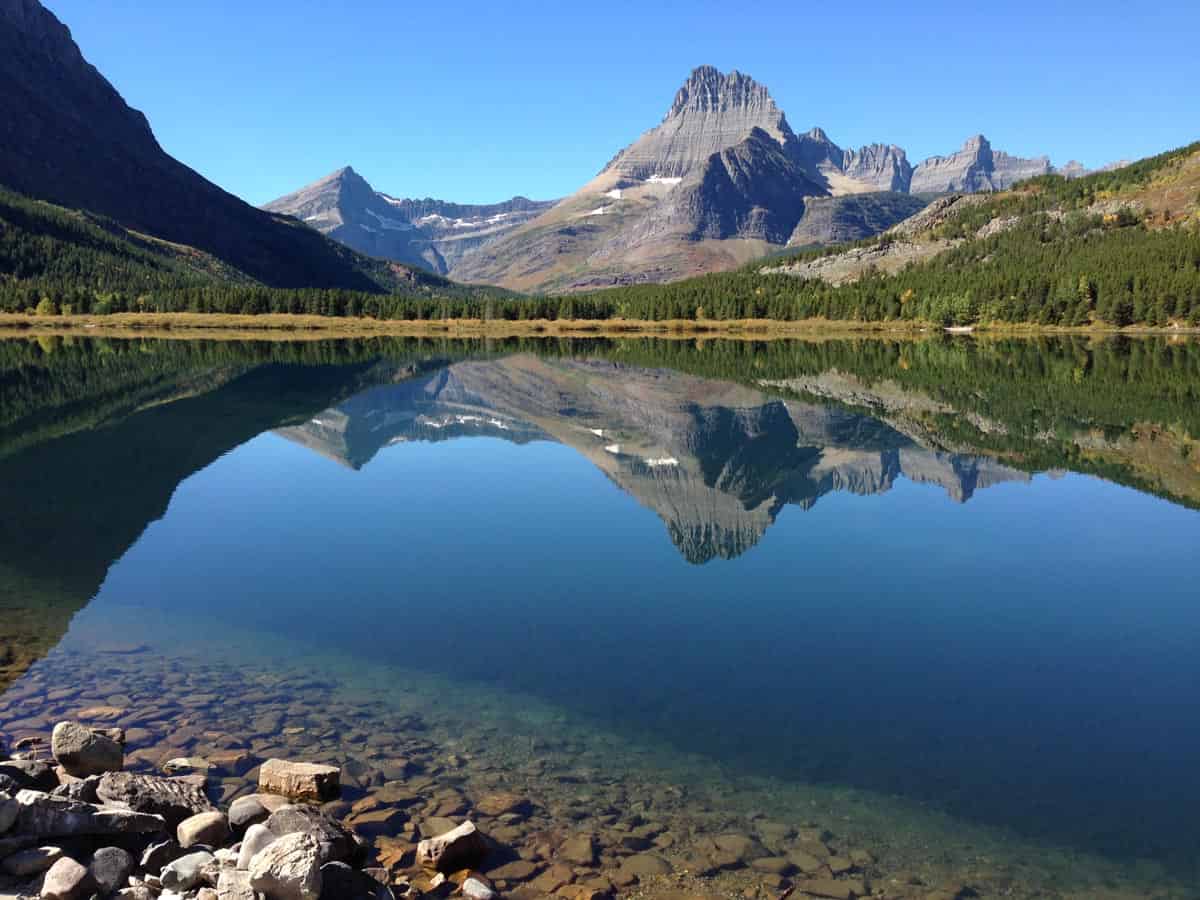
point(875, 167)
point(851, 217)
point(711, 113)
point(171, 798)
point(44, 815)
point(976, 167)
point(82, 751)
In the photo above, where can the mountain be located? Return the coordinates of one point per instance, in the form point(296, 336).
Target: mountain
point(720, 181)
point(69, 138)
point(976, 167)
point(876, 167)
point(429, 233)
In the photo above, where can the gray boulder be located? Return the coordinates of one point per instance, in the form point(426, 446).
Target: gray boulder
point(85, 790)
point(29, 773)
point(44, 816)
point(289, 869)
point(190, 871)
point(110, 869)
point(171, 798)
point(33, 861)
point(337, 844)
point(82, 751)
point(158, 856)
point(247, 811)
point(257, 838)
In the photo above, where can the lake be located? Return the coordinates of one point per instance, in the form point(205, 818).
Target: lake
point(931, 605)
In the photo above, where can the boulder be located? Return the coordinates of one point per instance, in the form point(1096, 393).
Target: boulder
point(85, 790)
point(33, 861)
point(110, 869)
point(476, 888)
point(9, 809)
point(190, 871)
point(288, 869)
point(247, 811)
point(257, 838)
point(44, 815)
point(337, 844)
point(463, 847)
point(67, 880)
point(234, 884)
point(157, 856)
point(580, 850)
point(300, 781)
point(341, 882)
point(171, 798)
point(208, 828)
point(29, 773)
point(81, 751)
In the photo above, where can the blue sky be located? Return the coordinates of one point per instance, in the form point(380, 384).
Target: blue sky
point(472, 101)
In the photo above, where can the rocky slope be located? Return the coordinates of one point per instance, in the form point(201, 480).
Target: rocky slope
point(429, 233)
point(876, 167)
point(69, 137)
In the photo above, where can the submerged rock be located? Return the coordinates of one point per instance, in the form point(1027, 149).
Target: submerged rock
point(83, 751)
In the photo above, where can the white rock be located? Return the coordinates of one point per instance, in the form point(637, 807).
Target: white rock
point(288, 869)
point(258, 838)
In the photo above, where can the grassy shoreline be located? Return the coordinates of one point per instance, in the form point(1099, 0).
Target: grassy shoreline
point(291, 327)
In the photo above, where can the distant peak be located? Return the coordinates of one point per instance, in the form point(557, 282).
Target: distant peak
point(818, 134)
point(708, 89)
point(345, 172)
point(976, 142)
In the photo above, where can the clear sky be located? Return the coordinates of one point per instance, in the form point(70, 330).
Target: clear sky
point(474, 101)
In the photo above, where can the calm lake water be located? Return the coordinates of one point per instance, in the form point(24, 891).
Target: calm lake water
point(941, 596)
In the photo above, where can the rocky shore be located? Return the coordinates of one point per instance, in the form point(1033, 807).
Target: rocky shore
point(76, 824)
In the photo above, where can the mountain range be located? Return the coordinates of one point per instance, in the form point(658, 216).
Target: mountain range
point(68, 137)
point(722, 180)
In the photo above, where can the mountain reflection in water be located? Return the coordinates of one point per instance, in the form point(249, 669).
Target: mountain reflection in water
point(716, 461)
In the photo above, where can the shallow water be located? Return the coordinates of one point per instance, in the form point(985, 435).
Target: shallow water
point(873, 588)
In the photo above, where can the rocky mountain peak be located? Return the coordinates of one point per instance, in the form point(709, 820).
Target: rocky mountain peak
point(709, 90)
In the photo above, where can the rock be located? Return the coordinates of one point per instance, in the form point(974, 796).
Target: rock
point(84, 790)
point(740, 846)
point(502, 804)
point(67, 880)
point(138, 892)
point(475, 888)
point(189, 871)
point(31, 862)
point(336, 842)
point(9, 810)
point(645, 865)
point(805, 862)
point(44, 815)
point(341, 882)
point(377, 822)
point(110, 868)
point(234, 884)
point(463, 847)
point(9, 785)
point(772, 865)
point(157, 856)
point(247, 811)
point(839, 865)
point(257, 838)
point(835, 890)
point(580, 850)
point(29, 773)
point(288, 869)
point(208, 828)
point(300, 781)
point(171, 798)
point(185, 765)
point(207, 894)
point(518, 870)
point(82, 751)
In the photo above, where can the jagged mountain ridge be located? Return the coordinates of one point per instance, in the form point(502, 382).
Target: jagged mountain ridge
point(70, 138)
point(652, 212)
point(430, 233)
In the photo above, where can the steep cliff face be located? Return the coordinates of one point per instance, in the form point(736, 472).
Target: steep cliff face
point(875, 167)
point(67, 136)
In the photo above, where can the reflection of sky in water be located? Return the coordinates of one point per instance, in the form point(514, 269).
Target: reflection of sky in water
point(1028, 657)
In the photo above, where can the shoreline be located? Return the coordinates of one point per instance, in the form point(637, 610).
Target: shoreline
point(308, 327)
